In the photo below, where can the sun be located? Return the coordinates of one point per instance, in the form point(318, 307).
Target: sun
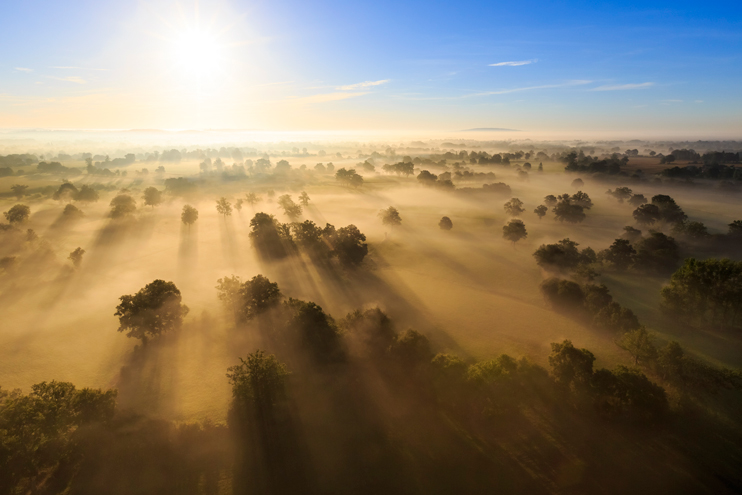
point(198, 52)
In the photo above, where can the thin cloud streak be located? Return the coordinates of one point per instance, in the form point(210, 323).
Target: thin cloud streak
point(514, 63)
point(361, 85)
point(72, 79)
point(324, 98)
point(622, 87)
point(76, 68)
point(23, 69)
point(529, 88)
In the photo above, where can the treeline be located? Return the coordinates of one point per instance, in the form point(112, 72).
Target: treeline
point(708, 292)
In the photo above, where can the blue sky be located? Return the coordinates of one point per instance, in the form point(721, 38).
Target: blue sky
point(660, 67)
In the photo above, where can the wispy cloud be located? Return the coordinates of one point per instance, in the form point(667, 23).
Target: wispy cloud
point(76, 68)
point(362, 85)
point(530, 88)
point(514, 63)
point(72, 79)
point(23, 69)
point(622, 87)
point(672, 101)
point(324, 98)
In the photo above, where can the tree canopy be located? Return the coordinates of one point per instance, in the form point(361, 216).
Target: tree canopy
point(154, 310)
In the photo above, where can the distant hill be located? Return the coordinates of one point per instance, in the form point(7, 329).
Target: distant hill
point(483, 129)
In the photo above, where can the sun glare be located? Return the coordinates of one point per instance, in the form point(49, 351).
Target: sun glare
point(197, 52)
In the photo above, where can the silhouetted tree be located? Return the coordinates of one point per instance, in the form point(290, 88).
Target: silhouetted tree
point(620, 193)
point(514, 231)
point(86, 194)
point(258, 295)
point(290, 209)
point(390, 216)
point(251, 198)
point(639, 344)
point(620, 254)
point(578, 183)
point(445, 223)
point(76, 256)
point(153, 310)
point(228, 290)
point(563, 255)
point(314, 330)
point(371, 332)
point(411, 349)
point(189, 215)
point(72, 211)
point(566, 211)
point(514, 207)
point(349, 245)
point(571, 366)
point(65, 192)
point(270, 237)
point(122, 205)
point(152, 197)
point(735, 228)
point(304, 199)
point(670, 212)
point(224, 207)
point(550, 200)
point(657, 252)
point(631, 234)
point(690, 230)
point(563, 294)
point(647, 214)
point(17, 214)
point(349, 177)
point(259, 379)
point(19, 190)
point(238, 205)
point(637, 200)
point(540, 210)
point(581, 199)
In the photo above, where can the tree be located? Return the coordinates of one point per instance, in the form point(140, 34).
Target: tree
point(550, 200)
point(372, 331)
point(581, 199)
point(639, 344)
point(238, 205)
point(152, 197)
point(17, 214)
point(735, 228)
point(72, 211)
point(540, 210)
point(152, 311)
point(514, 231)
point(228, 291)
point(19, 190)
point(647, 214)
point(304, 199)
point(189, 215)
point(224, 207)
point(122, 205)
point(309, 236)
point(578, 183)
point(690, 230)
point(670, 212)
point(637, 200)
point(445, 223)
point(390, 216)
point(657, 252)
point(563, 255)
point(411, 349)
point(541, 167)
point(270, 237)
point(566, 211)
point(290, 209)
point(257, 296)
point(86, 194)
point(314, 330)
point(349, 177)
point(620, 193)
point(65, 192)
point(620, 254)
point(251, 198)
point(349, 245)
point(259, 380)
point(76, 256)
point(631, 234)
point(563, 294)
point(571, 366)
point(514, 207)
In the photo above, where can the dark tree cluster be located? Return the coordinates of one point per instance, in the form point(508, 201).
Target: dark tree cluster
point(577, 161)
point(706, 291)
point(654, 253)
point(400, 168)
point(564, 256)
